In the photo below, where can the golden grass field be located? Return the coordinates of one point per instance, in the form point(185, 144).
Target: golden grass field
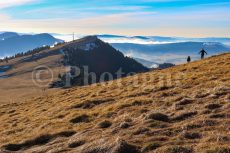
point(182, 109)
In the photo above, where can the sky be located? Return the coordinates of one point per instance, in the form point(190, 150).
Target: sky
point(184, 18)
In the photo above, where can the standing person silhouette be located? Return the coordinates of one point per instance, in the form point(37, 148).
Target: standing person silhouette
point(189, 59)
point(202, 52)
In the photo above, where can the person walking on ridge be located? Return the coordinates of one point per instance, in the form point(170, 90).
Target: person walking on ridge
point(189, 59)
point(202, 52)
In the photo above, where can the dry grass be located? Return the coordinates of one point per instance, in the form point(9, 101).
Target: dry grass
point(181, 109)
point(20, 85)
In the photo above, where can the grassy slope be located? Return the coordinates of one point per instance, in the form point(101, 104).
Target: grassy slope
point(20, 86)
point(185, 93)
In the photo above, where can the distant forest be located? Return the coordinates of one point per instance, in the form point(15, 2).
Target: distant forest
point(30, 52)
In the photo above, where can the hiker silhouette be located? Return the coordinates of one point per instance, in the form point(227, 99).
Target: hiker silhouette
point(202, 52)
point(189, 59)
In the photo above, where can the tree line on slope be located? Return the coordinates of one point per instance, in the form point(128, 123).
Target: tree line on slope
point(30, 52)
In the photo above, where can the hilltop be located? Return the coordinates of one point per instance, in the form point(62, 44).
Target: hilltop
point(90, 54)
point(181, 109)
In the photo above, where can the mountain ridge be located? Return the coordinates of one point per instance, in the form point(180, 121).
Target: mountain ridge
point(6, 35)
point(23, 43)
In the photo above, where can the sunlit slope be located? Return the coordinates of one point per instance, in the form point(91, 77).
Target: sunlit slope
point(17, 82)
point(182, 109)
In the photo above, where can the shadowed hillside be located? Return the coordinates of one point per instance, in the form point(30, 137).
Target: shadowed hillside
point(182, 109)
point(99, 58)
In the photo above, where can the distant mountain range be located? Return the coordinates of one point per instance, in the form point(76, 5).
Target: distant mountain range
point(157, 49)
point(147, 50)
point(11, 43)
point(170, 52)
point(145, 39)
point(159, 39)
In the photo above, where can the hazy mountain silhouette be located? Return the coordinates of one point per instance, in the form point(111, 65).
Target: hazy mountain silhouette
point(183, 47)
point(7, 35)
point(14, 43)
point(147, 63)
point(170, 52)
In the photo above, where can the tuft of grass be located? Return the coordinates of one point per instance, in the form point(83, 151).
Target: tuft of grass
point(158, 124)
point(151, 147)
point(158, 117)
point(40, 140)
point(141, 131)
point(219, 150)
point(194, 135)
point(105, 124)
point(179, 149)
point(65, 133)
point(185, 101)
point(124, 147)
point(76, 144)
point(218, 115)
point(13, 147)
point(81, 118)
point(185, 115)
point(92, 103)
point(213, 106)
point(125, 125)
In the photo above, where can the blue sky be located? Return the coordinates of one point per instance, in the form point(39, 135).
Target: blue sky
point(189, 18)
